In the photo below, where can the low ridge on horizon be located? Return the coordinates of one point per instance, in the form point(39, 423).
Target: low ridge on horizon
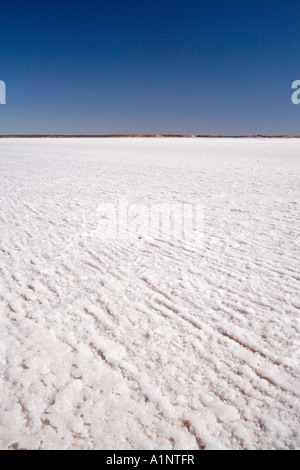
point(192, 136)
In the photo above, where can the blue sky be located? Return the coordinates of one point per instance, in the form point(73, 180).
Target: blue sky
point(99, 67)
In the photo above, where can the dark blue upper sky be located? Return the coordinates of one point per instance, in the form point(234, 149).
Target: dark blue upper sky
point(97, 67)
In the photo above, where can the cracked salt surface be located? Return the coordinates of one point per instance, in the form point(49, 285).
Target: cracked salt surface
point(149, 343)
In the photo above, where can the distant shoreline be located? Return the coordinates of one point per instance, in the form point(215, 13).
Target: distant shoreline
point(152, 136)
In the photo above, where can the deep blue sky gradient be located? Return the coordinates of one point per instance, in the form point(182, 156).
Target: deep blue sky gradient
point(107, 67)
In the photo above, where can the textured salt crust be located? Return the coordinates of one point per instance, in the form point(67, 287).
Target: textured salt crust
point(149, 344)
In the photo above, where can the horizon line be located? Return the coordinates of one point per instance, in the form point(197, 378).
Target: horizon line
point(192, 136)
